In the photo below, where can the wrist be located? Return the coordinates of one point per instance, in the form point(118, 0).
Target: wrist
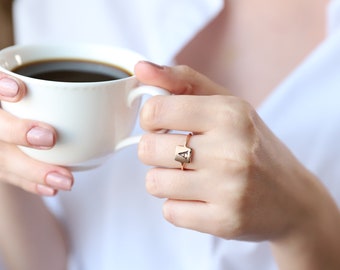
point(313, 241)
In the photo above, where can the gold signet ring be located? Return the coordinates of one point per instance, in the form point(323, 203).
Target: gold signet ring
point(183, 153)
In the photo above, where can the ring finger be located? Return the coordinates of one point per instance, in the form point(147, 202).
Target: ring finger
point(160, 150)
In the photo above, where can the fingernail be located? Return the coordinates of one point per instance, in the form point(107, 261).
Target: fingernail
point(59, 181)
point(45, 191)
point(153, 64)
point(8, 87)
point(40, 137)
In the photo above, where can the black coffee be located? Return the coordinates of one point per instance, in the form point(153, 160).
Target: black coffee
point(71, 70)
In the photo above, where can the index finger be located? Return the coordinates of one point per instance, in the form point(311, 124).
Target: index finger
point(181, 80)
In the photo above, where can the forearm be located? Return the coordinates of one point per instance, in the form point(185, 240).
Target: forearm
point(30, 236)
point(6, 23)
point(314, 250)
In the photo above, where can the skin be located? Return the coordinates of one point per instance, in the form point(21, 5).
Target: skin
point(242, 177)
point(21, 211)
point(44, 247)
point(256, 41)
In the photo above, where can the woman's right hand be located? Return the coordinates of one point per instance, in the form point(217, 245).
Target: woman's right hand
point(17, 168)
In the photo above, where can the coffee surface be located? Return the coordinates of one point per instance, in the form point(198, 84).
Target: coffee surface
point(71, 70)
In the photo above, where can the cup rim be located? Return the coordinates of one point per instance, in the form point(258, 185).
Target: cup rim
point(14, 53)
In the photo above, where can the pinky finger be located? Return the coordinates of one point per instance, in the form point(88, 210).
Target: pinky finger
point(32, 187)
point(45, 190)
point(203, 217)
point(188, 214)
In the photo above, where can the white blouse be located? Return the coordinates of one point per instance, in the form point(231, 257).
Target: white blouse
point(113, 223)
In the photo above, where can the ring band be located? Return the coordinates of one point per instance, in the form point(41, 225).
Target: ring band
point(183, 153)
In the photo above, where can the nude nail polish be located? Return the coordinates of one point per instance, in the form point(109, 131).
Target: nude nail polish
point(8, 87)
point(45, 191)
point(40, 137)
point(59, 181)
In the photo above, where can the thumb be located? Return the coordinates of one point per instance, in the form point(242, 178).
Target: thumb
point(181, 80)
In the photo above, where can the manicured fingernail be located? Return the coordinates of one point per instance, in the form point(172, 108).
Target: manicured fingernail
point(40, 137)
point(45, 191)
point(59, 181)
point(8, 87)
point(153, 64)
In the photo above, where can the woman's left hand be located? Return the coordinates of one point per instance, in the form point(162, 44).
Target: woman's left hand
point(242, 183)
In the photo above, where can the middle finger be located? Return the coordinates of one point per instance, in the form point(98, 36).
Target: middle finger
point(179, 113)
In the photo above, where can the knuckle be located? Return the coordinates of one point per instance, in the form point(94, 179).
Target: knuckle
point(151, 112)
point(229, 225)
point(151, 183)
point(188, 72)
point(146, 148)
point(236, 160)
point(169, 212)
point(234, 166)
point(241, 118)
point(233, 110)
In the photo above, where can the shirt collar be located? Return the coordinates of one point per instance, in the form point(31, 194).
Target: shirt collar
point(333, 16)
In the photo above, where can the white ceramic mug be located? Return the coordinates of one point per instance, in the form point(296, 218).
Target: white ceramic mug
point(92, 119)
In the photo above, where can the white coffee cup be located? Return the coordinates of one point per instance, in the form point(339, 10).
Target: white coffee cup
point(92, 119)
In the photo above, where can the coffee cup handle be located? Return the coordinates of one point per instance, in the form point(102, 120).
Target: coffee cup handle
point(133, 95)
